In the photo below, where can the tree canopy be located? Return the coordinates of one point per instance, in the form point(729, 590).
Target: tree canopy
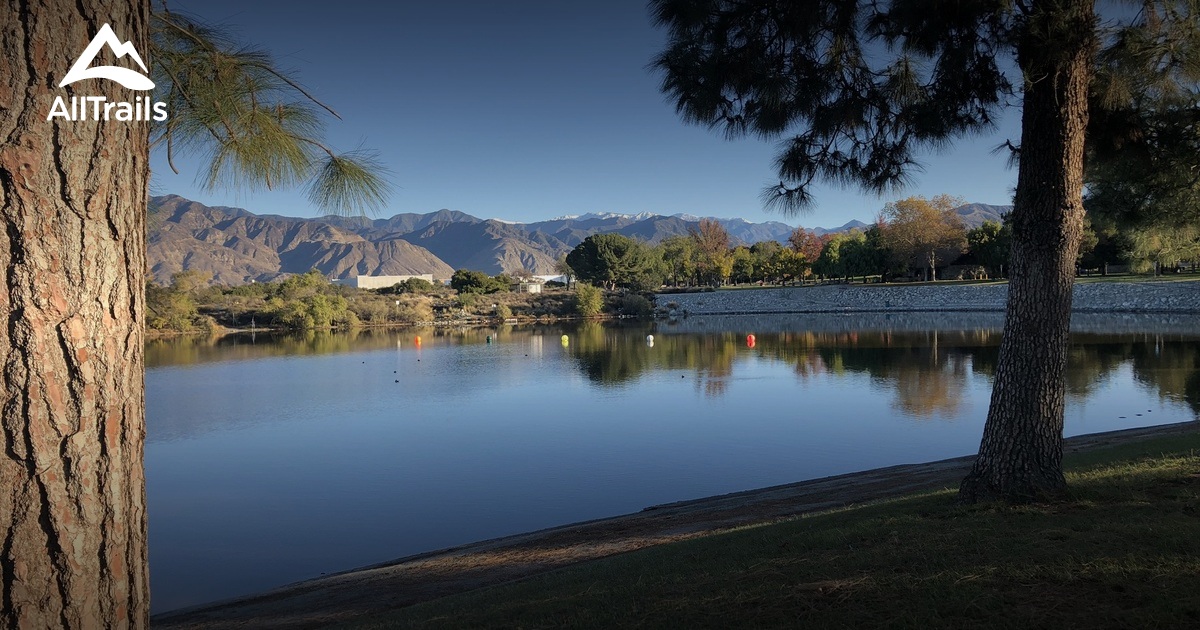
point(924, 231)
point(610, 259)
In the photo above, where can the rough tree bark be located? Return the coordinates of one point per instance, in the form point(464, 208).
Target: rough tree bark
point(72, 252)
point(1020, 456)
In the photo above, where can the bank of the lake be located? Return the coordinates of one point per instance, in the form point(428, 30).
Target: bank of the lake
point(370, 591)
point(1089, 297)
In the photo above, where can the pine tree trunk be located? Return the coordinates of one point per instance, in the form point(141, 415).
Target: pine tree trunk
point(1020, 456)
point(72, 252)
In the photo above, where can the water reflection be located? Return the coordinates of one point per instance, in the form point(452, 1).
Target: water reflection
point(927, 371)
point(370, 446)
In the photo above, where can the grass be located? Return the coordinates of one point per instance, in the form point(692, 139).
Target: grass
point(1123, 552)
point(1170, 277)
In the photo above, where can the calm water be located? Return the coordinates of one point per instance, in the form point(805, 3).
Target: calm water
point(271, 460)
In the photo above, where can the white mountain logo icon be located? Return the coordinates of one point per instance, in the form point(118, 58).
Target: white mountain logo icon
point(126, 77)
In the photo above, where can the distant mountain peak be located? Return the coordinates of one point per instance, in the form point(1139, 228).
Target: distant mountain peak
point(641, 216)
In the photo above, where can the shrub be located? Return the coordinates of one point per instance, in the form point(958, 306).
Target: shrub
point(589, 300)
point(415, 310)
point(503, 311)
point(635, 305)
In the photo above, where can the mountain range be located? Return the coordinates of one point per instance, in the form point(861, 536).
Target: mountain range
point(237, 246)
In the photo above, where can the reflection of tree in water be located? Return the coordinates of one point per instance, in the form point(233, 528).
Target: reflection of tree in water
point(196, 349)
point(1091, 359)
point(927, 370)
point(614, 355)
point(1172, 367)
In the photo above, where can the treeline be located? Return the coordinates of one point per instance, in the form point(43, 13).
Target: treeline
point(913, 239)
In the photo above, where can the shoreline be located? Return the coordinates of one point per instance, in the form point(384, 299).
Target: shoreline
point(342, 597)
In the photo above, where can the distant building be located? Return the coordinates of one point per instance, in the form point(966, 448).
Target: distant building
point(529, 287)
point(379, 282)
point(559, 278)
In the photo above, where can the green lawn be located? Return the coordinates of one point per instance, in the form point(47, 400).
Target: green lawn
point(1123, 552)
point(1171, 277)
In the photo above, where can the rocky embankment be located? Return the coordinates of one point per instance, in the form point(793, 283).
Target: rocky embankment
point(1099, 297)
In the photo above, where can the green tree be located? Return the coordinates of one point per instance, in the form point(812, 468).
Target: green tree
point(990, 243)
point(467, 281)
point(830, 264)
point(1142, 144)
point(788, 265)
point(417, 286)
point(1152, 248)
point(679, 255)
point(766, 260)
point(856, 88)
point(860, 257)
point(742, 264)
point(74, 197)
point(611, 260)
point(924, 231)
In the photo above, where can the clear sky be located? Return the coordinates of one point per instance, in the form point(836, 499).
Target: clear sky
point(527, 110)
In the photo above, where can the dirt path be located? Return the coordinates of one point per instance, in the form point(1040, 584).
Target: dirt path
point(370, 590)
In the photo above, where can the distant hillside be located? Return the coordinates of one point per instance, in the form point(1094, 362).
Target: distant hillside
point(238, 246)
point(489, 246)
point(854, 224)
point(974, 214)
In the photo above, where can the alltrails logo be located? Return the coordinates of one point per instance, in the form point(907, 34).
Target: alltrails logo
point(98, 107)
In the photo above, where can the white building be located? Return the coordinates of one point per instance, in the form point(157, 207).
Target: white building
point(529, 287)
point(379, 282)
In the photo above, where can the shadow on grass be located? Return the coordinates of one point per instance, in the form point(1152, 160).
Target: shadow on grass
point(1122, 552)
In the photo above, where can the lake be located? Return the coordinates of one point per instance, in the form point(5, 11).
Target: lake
point(272, 459)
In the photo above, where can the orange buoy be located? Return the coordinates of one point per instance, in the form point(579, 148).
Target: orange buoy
point(749, 341)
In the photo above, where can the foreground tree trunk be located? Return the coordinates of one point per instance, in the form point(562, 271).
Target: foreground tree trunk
point(72, 254)
point(1020, 457)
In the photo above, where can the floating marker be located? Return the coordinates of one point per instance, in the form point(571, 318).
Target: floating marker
point(649, 338)
point(489, 339)
point(565, 340)
point(417, 340)
point(749, 341)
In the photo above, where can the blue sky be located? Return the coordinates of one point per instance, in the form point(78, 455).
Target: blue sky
point(527, 110)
